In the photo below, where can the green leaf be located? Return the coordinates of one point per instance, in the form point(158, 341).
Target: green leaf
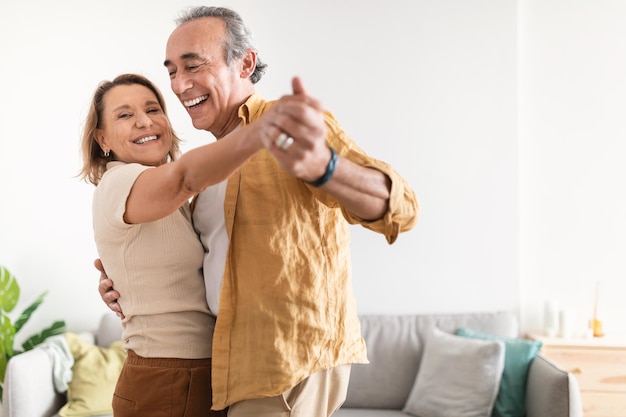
point(9, 290)
point(7, 335)
point(25, 316)
point(9, 295)
point(58, 327)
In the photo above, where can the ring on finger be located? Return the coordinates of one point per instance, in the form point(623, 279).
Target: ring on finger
point(280, 140)
point(287, 143)
point(283, 141)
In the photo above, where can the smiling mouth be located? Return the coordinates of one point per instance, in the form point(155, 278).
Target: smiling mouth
point(145, 139)
point(195, 101)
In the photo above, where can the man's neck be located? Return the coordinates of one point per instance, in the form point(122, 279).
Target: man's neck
point(233, 120)
point(231, 125)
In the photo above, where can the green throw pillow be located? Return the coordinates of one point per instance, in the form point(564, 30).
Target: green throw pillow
point(94, 376)
point(518, 355)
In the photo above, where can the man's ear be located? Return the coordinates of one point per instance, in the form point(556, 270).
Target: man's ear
point(248, 63)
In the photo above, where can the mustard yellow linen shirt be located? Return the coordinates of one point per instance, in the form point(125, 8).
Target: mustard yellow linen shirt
point(286, 306)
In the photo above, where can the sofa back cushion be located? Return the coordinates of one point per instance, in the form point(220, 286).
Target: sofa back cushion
point(395, 344)
point(109, 330)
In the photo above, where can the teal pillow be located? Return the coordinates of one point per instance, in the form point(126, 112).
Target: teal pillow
point(518, 355)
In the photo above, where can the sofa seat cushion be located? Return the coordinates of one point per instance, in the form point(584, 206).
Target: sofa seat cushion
point(368, 412)
point(100, 415)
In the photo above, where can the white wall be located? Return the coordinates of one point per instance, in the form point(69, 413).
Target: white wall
point(431, 87)
point(572, 149)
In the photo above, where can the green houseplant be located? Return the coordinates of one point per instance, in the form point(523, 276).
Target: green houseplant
point(9, 296)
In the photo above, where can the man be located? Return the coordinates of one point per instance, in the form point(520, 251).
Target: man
point(276, 233)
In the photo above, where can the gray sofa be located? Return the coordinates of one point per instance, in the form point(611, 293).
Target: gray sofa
point(395, 346)
point(379, 389)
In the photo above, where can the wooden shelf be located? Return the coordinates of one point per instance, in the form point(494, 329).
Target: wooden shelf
point(592, 342)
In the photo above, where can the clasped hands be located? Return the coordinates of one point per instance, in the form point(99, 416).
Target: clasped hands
point(293, 130)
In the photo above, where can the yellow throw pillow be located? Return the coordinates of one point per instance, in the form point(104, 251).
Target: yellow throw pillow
point(95, 373)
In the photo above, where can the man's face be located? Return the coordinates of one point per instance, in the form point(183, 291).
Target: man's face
point(210, 90)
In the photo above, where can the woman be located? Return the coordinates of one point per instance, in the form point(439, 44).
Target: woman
point(146, 242)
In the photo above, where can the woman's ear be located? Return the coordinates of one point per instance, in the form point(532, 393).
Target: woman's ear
point(248, 64)
point(101, 140)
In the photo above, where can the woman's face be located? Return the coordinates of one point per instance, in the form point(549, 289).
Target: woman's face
point(135, 128)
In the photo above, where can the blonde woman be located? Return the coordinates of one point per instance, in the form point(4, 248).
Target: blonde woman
point(146, 242)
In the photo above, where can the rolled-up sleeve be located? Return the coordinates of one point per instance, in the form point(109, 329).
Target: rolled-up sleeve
point(403, 211)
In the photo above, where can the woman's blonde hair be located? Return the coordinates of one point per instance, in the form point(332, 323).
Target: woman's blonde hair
point(94, 160)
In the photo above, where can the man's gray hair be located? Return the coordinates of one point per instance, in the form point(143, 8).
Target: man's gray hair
point(239, 36)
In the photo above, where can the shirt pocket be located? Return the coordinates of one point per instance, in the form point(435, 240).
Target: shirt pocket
point(261, 198)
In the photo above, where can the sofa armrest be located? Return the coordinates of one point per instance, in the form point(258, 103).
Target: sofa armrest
point(29, 387)
point(551, 391)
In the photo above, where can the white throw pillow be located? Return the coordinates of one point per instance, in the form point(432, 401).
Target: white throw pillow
point(457, 377)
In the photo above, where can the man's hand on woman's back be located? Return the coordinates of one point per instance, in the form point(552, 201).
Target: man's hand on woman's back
point(107, 293)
